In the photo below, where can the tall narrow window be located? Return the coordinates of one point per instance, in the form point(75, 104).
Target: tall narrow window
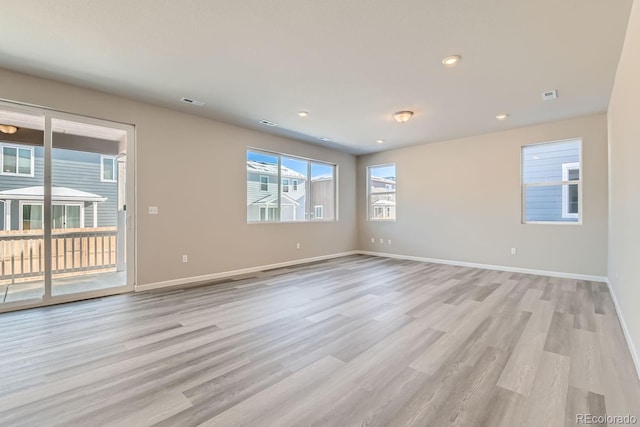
point(323, 191)
point(264, 183)
point(108, 169)
point(381, 188)
point(551, 182)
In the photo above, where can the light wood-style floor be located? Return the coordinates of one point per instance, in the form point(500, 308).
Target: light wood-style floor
point(353, 341)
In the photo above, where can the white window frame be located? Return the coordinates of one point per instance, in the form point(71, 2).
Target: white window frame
point(294, 184)
point(65, 204)
point(564, 183)
point(566, 167)
point(285, 185)
point(17, 147)
point(306, 183)
point(114, 161)
point(387, 190)
point(318, 211)
point(264, 183)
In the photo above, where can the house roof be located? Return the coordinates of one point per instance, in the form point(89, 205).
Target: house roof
point(384, 203)
point(273, 199)
point(271, 169)
point(58, 194)
point(385, 180)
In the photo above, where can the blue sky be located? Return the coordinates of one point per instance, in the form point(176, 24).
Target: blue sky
point(384, 171)
point(317, 169)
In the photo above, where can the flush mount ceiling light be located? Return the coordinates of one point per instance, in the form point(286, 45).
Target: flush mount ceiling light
point(451, 60)
point(303, 113)
point(502, 116)
point(380, 141)
point(402, 116)
point(9, 129)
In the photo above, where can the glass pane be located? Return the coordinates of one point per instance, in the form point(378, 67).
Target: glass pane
point(21, 210)
point(9, 159)
point(73, 217)
point(323, 191)
point(32, 217)
point(262, 186)
point(543, 162)
point(24, 161)
point(108, 169)
point(89, 234)
point(555, 203)
point(57, 216)
point(382, 188)
point(383, 206)
point(574, 175)
point(293, 203)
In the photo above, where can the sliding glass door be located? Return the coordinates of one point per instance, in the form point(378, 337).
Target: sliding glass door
point(67, 226)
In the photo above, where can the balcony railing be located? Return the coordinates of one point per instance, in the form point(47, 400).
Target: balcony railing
point(73, 251)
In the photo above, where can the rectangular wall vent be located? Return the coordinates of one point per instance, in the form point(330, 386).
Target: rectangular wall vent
point(268, 123)
point(552, 94)
point(192, 101)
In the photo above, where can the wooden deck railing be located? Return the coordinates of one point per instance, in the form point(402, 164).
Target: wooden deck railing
point(74, 250)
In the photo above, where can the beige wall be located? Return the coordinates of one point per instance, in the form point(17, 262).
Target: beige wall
point(460, 200)
point(624, 152)
point(194, 170)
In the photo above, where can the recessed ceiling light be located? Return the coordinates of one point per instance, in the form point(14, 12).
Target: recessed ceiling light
point(324, 138)
point(402, 116)
point(502, 116)
point(268, 123)
point(8, 129)
point(380, 141)
point(451, 60)
point(303, 113)
point(192, 101)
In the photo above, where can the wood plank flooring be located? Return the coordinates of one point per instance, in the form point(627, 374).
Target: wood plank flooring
point(353, 341)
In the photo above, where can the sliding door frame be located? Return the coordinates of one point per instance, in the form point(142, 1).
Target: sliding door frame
point(130, 243)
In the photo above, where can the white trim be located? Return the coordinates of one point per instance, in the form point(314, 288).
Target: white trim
point(114, 163)
point(625, 331)
point(231, 273)
point(17, 147)
point(564, 275)
point(316, 209)
point(566, 167)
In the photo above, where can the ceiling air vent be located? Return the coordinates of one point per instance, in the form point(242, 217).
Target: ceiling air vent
point(268, 123)
point(192, 101)
point(552, 94)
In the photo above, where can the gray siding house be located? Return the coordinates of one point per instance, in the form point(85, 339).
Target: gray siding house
point(262, 193)
point(84, 193)
point(551, 163)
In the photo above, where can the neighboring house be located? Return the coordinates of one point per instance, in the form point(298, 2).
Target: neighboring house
point(383, 197)
point(262, 193)
point(552, 163)
point(323, 199)
point(84, 193)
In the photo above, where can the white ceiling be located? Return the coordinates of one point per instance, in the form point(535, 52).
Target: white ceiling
point(349, 63)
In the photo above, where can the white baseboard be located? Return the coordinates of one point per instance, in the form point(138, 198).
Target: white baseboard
point(231, 273)
point(491, 267)
point(625, 330)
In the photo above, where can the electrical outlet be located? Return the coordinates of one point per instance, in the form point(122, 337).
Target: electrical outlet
point(297, 245)
point(381, 240)
point(389, 241)
point(185, 258)
point(373, 240)
point(153, 210)
point(514, 251)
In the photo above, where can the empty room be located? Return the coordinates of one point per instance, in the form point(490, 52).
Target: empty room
point(329, 213)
